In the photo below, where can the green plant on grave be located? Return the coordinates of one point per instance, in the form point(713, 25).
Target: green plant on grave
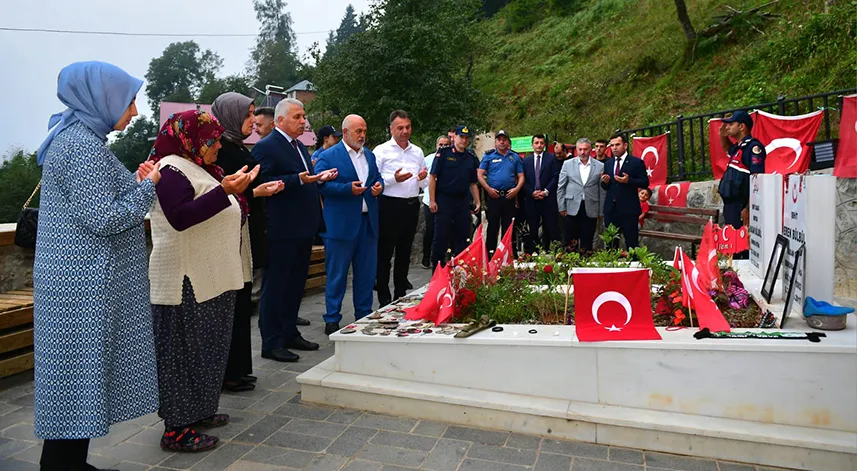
point(610, 235)
point(507, 301)
point(661, 272)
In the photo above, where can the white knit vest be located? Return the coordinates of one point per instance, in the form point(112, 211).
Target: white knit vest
point(208, 253)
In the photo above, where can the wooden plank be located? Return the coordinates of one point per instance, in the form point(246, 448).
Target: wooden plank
point(18, 298)
point(9, 307)
point(17, 364)
point(671, 236)
point(7, 238)
point(315, 269)
point(16, 340)
point(670, 209)
point(678, 218)
point(21, 291)
point(315, 282)
point(317, 256)
point(15, 318)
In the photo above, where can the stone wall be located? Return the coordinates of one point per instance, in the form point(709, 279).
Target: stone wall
point(16, 268)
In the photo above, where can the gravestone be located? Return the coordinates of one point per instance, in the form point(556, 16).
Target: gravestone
point(766, 219)
point(809, 211)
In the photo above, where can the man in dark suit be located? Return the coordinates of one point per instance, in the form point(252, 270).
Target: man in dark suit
point(293, 218)
point(351, 218)
point(623, 177)
point(541, 174)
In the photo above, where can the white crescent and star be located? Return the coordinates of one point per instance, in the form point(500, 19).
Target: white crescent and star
point(723, 235)
point(444, 295)
point(653, 150)
point(667, 191)
point(787, 142)
point(614, 296)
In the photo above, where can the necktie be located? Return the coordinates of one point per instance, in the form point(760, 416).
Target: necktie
point(295, 145)
point(616, 172)
point(538, 170)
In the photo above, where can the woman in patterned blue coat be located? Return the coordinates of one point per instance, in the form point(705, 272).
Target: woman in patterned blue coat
point(94, 346)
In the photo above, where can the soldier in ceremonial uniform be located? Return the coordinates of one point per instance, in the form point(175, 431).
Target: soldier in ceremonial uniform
point(747, 156)
point(453, 178)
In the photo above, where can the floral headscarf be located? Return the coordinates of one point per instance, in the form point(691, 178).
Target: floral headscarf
point(190, 134)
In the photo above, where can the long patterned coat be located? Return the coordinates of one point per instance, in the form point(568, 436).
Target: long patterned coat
point(94, 346)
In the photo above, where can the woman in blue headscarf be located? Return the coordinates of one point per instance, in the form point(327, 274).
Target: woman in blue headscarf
point(94, 346)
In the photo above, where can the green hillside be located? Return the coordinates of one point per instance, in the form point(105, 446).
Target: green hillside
point(619, 63)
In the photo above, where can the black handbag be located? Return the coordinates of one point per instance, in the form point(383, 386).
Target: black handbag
point(28, 222)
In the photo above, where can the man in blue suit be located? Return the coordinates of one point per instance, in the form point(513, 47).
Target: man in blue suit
point(293, 218)
point(623, 177)
point(541, 175)
point(351, 217)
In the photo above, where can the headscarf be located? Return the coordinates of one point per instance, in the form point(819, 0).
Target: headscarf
point(189, 134)
point(96, 94)
point(231, 109)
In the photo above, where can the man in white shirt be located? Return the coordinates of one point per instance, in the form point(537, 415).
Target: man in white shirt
point(428, 235)
point(403, 168)
point(580, 197)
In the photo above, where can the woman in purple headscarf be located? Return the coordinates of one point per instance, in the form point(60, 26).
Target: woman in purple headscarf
point(94, 347)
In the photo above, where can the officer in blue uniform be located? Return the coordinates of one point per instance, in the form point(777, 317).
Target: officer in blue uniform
point(501, 174)
point(746, 157)
point(453, 178)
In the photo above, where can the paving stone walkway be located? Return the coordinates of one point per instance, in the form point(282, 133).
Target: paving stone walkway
point(271, 430)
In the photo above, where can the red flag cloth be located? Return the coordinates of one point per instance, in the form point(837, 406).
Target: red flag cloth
point(717, 156)
point(674, 194)
point(653, 151)
point(706, 259)
point(503, 255)
point(726, 239)
point(428, 307)
point(785, 138)
point(685, 287)
point(613, 306)
point(446, 301)
point(707, 312)
point(474, 257)
point(742, 239)
point(845, 165)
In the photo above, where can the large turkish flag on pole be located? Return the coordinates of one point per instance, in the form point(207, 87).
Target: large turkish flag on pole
point(785, 138)
point(845, 165)
point(613, 305)
point(653, 151)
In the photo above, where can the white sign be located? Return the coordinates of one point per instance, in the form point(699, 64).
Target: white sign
point(809, 210)
point(766, 219)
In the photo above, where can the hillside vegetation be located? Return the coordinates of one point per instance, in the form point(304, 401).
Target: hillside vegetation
point(611, 64)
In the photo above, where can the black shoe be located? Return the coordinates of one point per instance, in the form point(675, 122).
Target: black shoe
point(331, 327)
point(410, 286)
point(280, 354)
point(383, 302)
point(302, 322)
point(300, 343)
point(238, 386)
point(249, 379)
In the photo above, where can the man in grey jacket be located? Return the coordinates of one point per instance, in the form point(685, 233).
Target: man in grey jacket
point(580, 197)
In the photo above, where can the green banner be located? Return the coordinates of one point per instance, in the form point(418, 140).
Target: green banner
point(522, 144)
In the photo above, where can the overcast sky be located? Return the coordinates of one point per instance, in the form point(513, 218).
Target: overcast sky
point(31, 61)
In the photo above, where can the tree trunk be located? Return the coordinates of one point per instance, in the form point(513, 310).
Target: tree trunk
point(685, 21)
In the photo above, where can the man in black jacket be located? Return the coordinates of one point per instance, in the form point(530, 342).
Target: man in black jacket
point(623, 176)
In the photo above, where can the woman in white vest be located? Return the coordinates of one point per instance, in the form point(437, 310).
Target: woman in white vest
point(199, 260)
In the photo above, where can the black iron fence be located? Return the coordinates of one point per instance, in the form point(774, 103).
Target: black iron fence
point(688, 140)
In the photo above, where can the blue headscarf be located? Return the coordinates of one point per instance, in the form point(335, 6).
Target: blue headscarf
point(97, 95)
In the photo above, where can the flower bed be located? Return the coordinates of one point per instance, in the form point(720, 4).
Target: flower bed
point(537, 290)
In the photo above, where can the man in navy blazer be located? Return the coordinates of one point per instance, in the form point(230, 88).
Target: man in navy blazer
point(351, 217)
point(623, 177)
point(293, 218)
point(541, 174)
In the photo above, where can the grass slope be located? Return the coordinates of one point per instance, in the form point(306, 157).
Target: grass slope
point(618, 64)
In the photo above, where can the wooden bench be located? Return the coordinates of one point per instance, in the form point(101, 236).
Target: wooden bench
point(16, 332)
point(317, 276)
point(697, 216)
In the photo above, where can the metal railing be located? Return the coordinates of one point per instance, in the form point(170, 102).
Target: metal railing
point(688, 155)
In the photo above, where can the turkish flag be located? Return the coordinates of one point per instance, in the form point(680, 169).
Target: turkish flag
point(613, 305)
point(707, 312)
point(446, 301)
point(685, 291)
point(725, 239)
point(653, 151)
point(845, 165)
point(475, 256)
point(785, 138)
point(706, 259)
point(742, 239)
point(717, 156)
point(674, 194)
point(503, 255)
point(430, 304)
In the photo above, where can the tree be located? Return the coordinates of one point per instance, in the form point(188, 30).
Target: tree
point(274, 60)
point(218, 86)
point(132, 146)
point(684, 19)
point(180, 73)
point(348, 27)
point(19, 175)
point(416, 56)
